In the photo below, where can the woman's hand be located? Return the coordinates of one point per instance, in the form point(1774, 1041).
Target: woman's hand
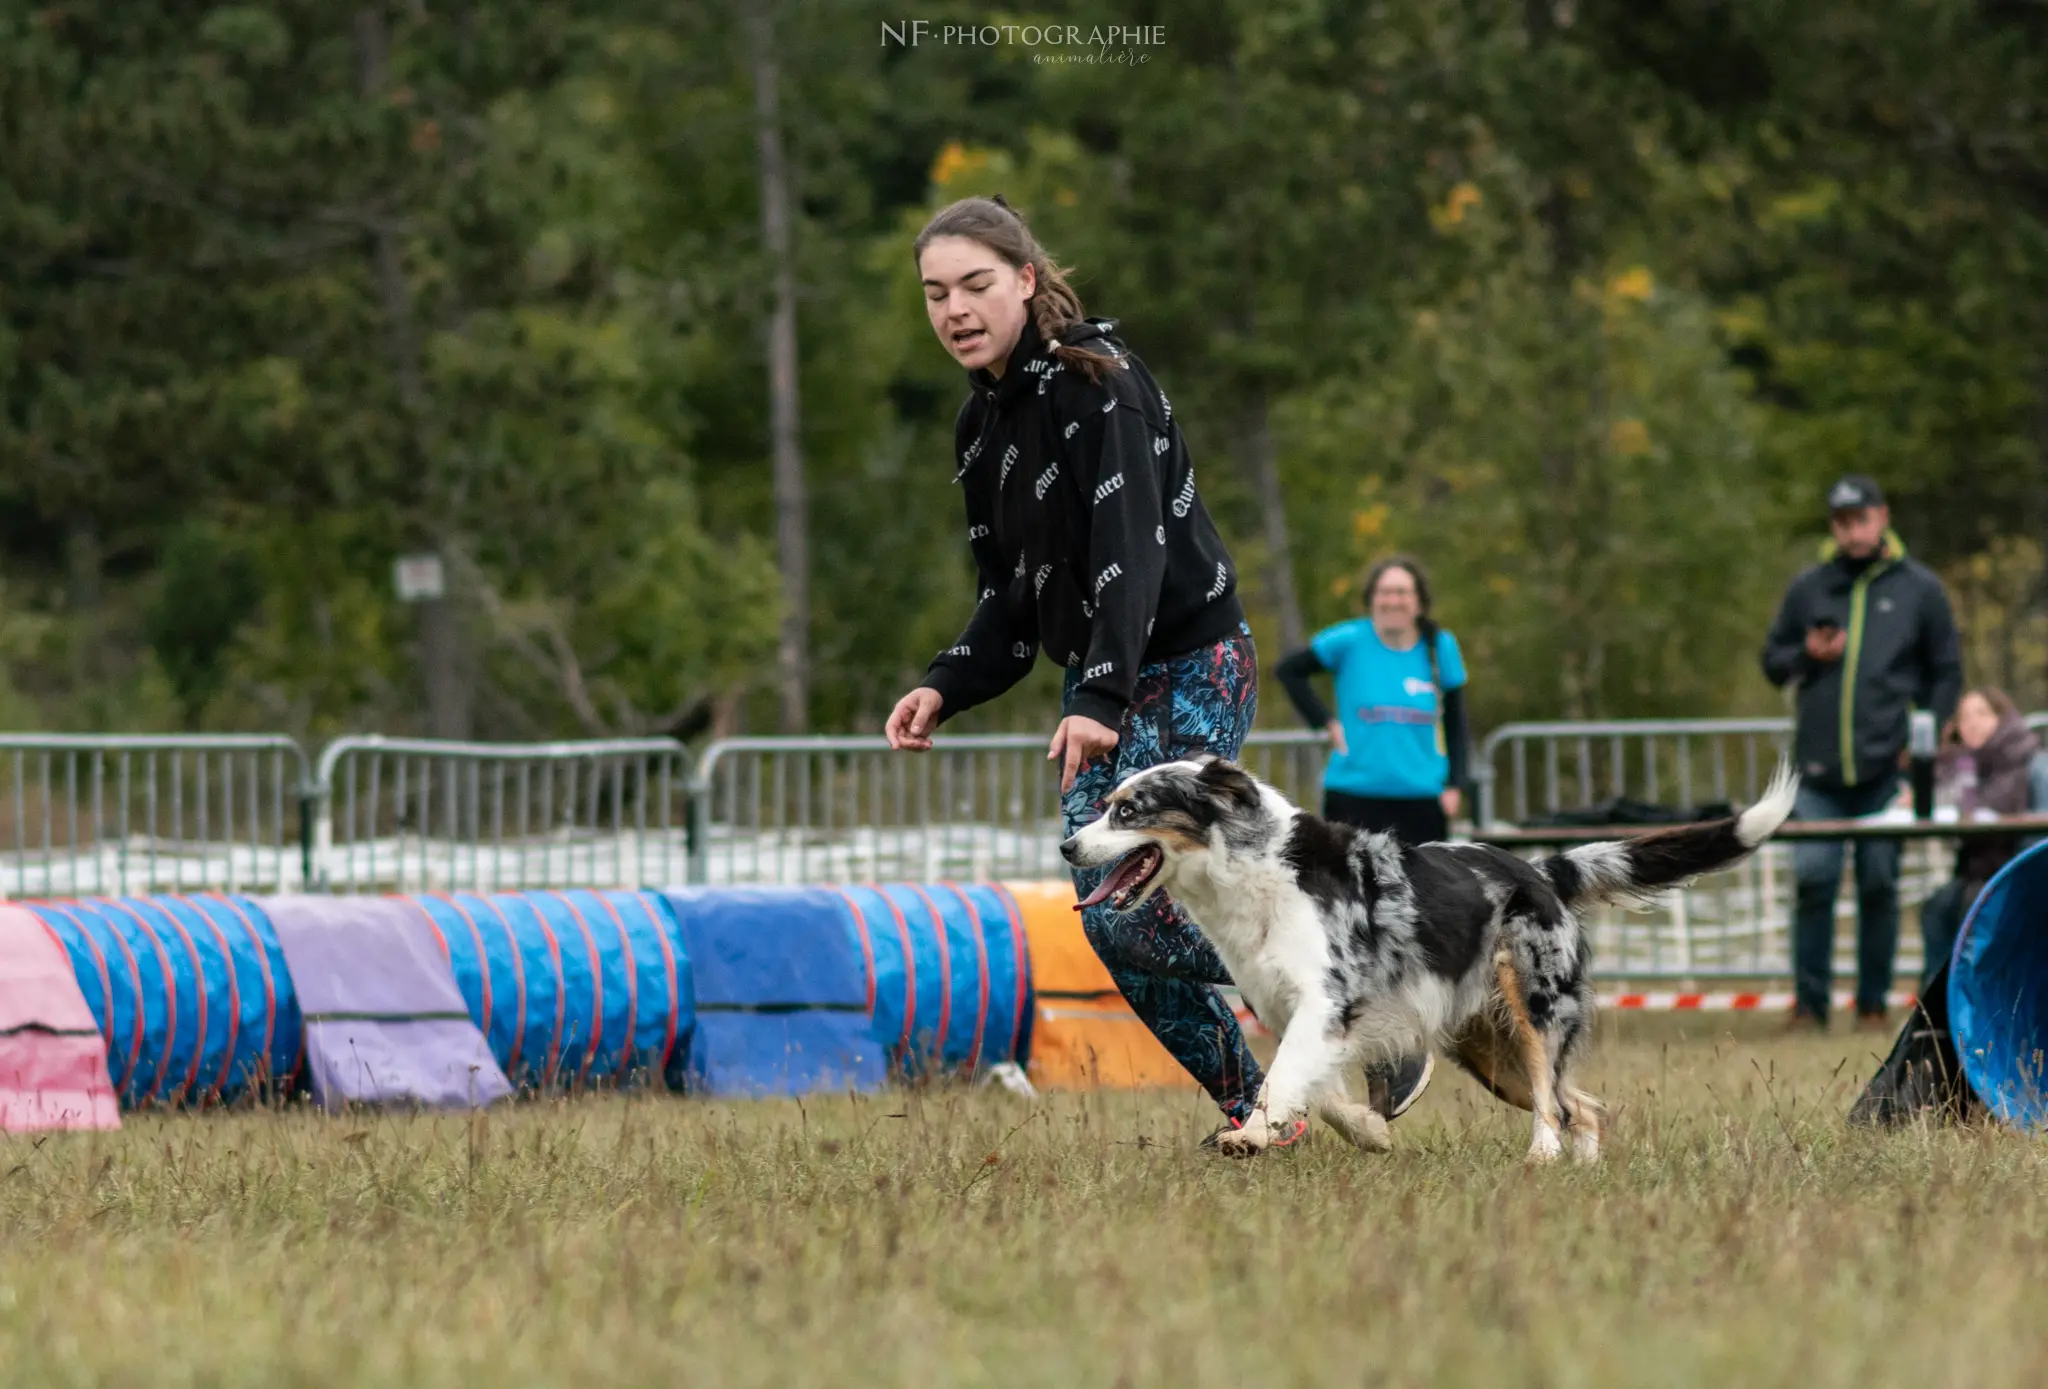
point(1082, 740)
point(911, 723)
point(1335, 728)
point(1451, 800)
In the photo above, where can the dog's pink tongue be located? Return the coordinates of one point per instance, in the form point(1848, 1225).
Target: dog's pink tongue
point(1101, 893)
point(1125, 870)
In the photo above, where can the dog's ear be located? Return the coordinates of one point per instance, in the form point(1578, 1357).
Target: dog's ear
point(1227, 782)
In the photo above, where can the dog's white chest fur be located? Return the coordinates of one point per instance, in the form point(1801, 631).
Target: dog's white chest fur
point(1269, 937)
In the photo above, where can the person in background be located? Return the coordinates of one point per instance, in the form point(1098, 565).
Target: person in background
point(1398, 741)
point(1864, 635)
point(1985, 763)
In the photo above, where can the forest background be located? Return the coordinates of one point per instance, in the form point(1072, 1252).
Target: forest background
point(611, 307)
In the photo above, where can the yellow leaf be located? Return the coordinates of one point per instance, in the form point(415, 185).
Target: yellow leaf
point(1629, 438)
point(955, 160)
point(1066, 197)
point(1462, 199)
point(1370, 522)
point(1633, 283)
point(1501, 584)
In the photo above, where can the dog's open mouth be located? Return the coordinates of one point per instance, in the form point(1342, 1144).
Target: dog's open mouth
point(1126, 880)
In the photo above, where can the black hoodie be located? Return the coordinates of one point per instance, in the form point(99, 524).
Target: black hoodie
point(1087, 535)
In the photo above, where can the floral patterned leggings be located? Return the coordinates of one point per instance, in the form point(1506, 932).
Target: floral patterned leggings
point(1201, 702)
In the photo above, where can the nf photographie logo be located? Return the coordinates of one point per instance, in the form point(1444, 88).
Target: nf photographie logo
point(1066, 43)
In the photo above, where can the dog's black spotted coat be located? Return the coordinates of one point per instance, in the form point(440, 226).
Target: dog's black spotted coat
point(1410, 942)
point(1454, 911)
point(1368, 886)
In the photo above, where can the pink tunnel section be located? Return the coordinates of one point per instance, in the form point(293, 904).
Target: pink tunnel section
point(53, 1057)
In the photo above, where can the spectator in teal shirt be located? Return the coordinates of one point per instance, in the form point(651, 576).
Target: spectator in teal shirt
point(1398, 740)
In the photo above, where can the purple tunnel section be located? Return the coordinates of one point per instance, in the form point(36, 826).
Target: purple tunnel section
point(385, 1022)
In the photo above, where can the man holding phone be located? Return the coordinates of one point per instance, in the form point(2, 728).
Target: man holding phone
point(1866, 635)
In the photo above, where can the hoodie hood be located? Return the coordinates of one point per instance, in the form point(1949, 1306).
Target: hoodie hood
point(1031, 346)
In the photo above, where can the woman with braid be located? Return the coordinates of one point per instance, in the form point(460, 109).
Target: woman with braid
point(1090, 541)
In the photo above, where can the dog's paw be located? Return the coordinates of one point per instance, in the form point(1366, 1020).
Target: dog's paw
point(1362, 1126)
point(1249, 1141)
point(1242, 1142)
point(1585, 1146)
point(1545, 1148)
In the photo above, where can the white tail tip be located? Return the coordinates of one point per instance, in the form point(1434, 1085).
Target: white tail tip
point(1761, 820)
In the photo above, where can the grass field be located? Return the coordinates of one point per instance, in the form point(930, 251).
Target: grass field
point(1737, 1235)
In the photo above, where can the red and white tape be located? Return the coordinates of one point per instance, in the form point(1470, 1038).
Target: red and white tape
point(1731, 1002)
point(1674, 1002)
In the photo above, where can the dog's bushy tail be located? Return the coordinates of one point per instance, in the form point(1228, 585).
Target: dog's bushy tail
point(1632, 872)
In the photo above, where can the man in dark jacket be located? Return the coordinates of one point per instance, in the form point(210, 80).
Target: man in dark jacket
point(1866, 635)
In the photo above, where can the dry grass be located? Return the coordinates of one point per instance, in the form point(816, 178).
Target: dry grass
point(1739, 1235)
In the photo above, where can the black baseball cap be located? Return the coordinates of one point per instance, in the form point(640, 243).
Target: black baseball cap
point(1854, 492)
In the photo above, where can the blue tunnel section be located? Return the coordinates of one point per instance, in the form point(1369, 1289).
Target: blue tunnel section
point(191, 994)
point(571, 988)
point(834, 988)
point(1998, 992)
point(785, 991)
point(952, 975)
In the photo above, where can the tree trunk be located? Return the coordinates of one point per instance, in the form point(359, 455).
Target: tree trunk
point(448, 694)
point(1261, 463)
point(2040, 487)
point(791, 539)
point(82, 568)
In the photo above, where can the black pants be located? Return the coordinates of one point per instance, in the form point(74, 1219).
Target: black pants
point(1412, 819)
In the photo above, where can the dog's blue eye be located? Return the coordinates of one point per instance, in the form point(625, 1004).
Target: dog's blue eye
point(1123, 812)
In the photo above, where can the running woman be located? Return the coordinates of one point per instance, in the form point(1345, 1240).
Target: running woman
point(1090, 541)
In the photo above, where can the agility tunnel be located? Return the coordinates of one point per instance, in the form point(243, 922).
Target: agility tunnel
point(460, 998)
point(802, 989)
point(1998, 993)
point(195, 1000)
point(1978, 1038)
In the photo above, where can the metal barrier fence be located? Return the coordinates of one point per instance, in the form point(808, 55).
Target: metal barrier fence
point(88, 814)
point(799, 810)
point(1738, 924)
point(94, 814)
point(1583, 764)
point(414, 815)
